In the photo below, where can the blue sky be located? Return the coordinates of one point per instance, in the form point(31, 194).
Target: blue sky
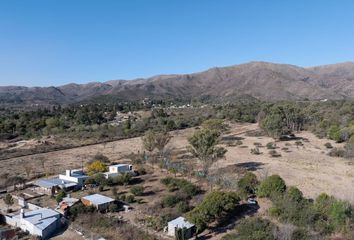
point(52, 42)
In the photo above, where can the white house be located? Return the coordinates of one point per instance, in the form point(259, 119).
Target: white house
point(42, 222)
point(71, 180)
point(76, 176)
point(99, 201)
point(181, 223)
point(115, 170)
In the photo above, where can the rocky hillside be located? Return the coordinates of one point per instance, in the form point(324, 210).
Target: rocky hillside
point(261, 80)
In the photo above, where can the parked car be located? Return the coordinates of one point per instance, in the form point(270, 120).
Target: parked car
point(252, 201)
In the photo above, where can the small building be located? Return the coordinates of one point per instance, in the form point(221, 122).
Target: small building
point(100, 202)
point(76, 176)
point(65, 205)
point(51, 186)
point(181, 223)
point(42, 222)
point(115, 170)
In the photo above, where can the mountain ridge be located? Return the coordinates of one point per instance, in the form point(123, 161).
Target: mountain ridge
point(261, 80)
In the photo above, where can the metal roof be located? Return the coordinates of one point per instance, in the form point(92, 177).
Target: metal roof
point(181, 222)
point(49, 183)
point(98, 199)
point(40, 218)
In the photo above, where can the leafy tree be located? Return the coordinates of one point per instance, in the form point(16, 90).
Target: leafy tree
point(214, 207)
point(161, 140)
point(334, 133)
point(248, 184)
point(271, 185)
point(149, 140)
point(203, 145)
point(96, 167)
point(274, 125)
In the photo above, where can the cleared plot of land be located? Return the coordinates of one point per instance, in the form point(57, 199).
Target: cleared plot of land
point(307, 167)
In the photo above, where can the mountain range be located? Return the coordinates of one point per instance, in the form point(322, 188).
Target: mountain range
point(260, 80)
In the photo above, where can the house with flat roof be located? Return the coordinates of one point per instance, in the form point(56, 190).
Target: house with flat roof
point(100, 202)
point(77, 176)
point(42, 222)
point(180, 223)
point(71, 180)
point(115, 170)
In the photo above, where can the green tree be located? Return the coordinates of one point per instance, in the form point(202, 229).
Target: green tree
point(214, 207)
point(161, 140)
point(203, 146)
point(248, 184)
point(271, 185)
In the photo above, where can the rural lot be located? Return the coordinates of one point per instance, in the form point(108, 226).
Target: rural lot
point(308, 166)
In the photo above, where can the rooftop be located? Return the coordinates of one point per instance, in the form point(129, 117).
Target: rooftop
point(98, 199)
point(120, 165)
point(48, 183)
point(40, 218)
point(181, 222)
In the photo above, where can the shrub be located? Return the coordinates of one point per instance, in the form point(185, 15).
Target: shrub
point(274, 153)
point(123, 179)
point(137, 190)
point(328, 145)
point(248, 184)
point(300, 234)
point(130, 199)
point(183, 185)
point(113, 208)
point(271, 145)
point(170, 201)
point(292, 207)
point(253, 229)
point(257, 144)
point(123, 197)
point(336, 211)
point(255, 151)
point(182, 207)
point(59, 197)
point(336, 152)
point(271, 185)
point(141, 171)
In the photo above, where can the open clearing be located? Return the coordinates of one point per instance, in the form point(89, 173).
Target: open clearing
point(308, 167)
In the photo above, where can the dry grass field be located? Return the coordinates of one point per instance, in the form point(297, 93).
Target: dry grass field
point(307, 167)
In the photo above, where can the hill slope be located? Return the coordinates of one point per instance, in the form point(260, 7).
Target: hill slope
point(261, 80)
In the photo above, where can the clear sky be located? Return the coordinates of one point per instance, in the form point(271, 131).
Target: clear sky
point(54, 42)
